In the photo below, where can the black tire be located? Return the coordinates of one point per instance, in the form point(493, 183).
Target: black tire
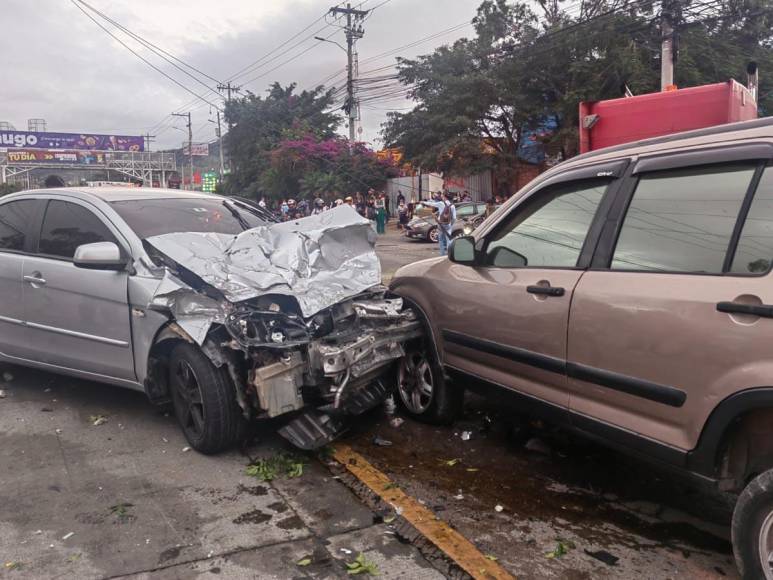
point(445, 403)
point(754, 506)
point(433, 235)
point(204, 401)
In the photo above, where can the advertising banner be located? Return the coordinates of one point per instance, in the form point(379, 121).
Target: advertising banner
point(79, 141)
point(63, 157)
point(199, 149)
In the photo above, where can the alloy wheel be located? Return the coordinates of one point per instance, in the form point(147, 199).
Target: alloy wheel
point(188, 401)
point(415, 382)
point(765, 546)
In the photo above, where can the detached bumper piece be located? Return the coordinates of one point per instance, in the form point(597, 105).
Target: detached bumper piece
point(312, 430)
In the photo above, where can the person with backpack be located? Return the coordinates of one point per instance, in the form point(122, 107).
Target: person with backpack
point(446, 218)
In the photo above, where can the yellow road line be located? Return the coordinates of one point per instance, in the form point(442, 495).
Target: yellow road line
point(451, 542)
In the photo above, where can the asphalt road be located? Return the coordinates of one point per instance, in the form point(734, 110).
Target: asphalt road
point(125, 499)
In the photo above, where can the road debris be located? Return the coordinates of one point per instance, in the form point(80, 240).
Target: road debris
point(186, 449)
point(73, 558)
point(381, 442)
point(121, 511)
point(498, 508)
point(13, 565)
point(603, 556)
point(7, 377)
point(280, 465)
point(2, 394)
point(562, 548)
point(450, 462)
point(68, 535)
point(303, 562)
point(537, 446)
point(396, 422)
point(98, 420)
point(466, 435)
point(346, 551)
point(362, 565)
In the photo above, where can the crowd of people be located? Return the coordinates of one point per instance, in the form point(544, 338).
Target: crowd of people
point(375, 206)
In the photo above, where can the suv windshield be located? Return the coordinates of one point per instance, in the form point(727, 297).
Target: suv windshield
point(153, 217)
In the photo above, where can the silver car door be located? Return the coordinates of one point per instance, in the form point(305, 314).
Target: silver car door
point(77, 318)
point(16, 223)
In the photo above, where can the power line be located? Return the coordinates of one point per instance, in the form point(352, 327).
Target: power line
point(142, 58)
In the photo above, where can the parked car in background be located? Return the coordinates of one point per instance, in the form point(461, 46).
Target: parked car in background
point(424, 226)
point(627, 295)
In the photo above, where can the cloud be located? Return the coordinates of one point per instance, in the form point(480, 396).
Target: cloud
point(62, 67)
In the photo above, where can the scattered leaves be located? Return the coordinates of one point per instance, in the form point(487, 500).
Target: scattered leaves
point(121, 511)
point(73, 558)
point(98, 420)
point(303, 562)
point(562, 548)
point(391, 485)
point(14, 565)
point(491, 557)
point(450, 462)
point(472, 469)
point(389, 519)
point(280, 465)
point(362, 565)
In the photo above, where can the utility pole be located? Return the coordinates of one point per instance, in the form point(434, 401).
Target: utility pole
point(190, 145)
point(353, 32)
point(148, 140)
point(228, 88)
point(669, 19)
point(220, 147)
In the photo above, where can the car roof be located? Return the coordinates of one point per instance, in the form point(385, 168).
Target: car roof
point(112, 194)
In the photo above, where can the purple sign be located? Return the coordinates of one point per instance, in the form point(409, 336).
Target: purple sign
point(35, 140)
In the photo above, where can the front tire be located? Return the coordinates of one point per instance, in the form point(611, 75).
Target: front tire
point(752, 529)
point(204, 400)
point(422, 389)
point(433, 235)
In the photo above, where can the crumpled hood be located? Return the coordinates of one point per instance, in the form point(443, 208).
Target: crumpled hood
point(320, 260)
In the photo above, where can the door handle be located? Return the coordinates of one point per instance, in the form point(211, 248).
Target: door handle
point(35, 280)
point(762, 310)
point(546, 290)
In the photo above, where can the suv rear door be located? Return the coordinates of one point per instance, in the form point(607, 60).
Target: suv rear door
point(505, 319)
point(77, 318)
point(17, 219)
point(649, 352)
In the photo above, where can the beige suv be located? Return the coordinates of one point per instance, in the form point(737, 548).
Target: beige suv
point(626, 294)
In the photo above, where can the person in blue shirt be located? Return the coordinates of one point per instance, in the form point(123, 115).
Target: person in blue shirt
point(445, 217)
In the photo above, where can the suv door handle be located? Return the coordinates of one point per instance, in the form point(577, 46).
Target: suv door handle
point(35, 280)
point(546, 290)
point(762, 310)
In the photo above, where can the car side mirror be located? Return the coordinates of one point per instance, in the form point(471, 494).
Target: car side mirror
point(99, 256)
point(462, 250)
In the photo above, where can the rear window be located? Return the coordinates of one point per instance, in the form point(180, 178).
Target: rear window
point(15, 222)
point(154, 217)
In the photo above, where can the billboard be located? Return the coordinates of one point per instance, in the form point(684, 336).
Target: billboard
point(63, 157)
point(200, 149)
point(78, 141)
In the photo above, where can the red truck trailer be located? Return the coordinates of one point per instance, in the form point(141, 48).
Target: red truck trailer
point(606, 123)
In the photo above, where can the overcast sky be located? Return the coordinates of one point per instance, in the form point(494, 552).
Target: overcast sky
point(58, 65)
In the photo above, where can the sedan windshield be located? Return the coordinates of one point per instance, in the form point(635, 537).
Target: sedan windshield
point(153, 217)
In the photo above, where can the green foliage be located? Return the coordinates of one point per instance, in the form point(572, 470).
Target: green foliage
point(477, 98)
point(362, 565)
point(280, 465)
point(6, 188)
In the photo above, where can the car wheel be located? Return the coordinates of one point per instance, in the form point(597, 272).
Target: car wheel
point(204, 401)
point(423, 391)
point(433, 235)
point(752, 528)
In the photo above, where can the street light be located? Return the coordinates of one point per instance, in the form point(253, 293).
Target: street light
point(331, 42)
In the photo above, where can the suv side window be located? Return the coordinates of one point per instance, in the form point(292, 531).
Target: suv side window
point(465, 211)
point(754, 251)
point(15, 222)
point(548, 230)
point(67, 226)
point(682, 220)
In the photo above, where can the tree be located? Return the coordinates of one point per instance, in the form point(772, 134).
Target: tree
point(6, 188)
point(479, 98)
point(258, 124)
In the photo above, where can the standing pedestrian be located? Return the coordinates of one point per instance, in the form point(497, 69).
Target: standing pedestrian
point(381, 214)
point(445, 217)
point(402, 215)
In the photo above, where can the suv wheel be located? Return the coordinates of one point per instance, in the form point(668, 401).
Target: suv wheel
point(204, 400)
point(433, 235)
point(423, 391)
point(752, 528)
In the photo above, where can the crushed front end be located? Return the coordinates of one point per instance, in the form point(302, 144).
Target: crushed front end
point(295, 313)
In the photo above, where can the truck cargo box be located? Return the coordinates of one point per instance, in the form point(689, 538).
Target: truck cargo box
point(616, 121)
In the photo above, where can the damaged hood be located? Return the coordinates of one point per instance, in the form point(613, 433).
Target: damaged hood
point(319, 260)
